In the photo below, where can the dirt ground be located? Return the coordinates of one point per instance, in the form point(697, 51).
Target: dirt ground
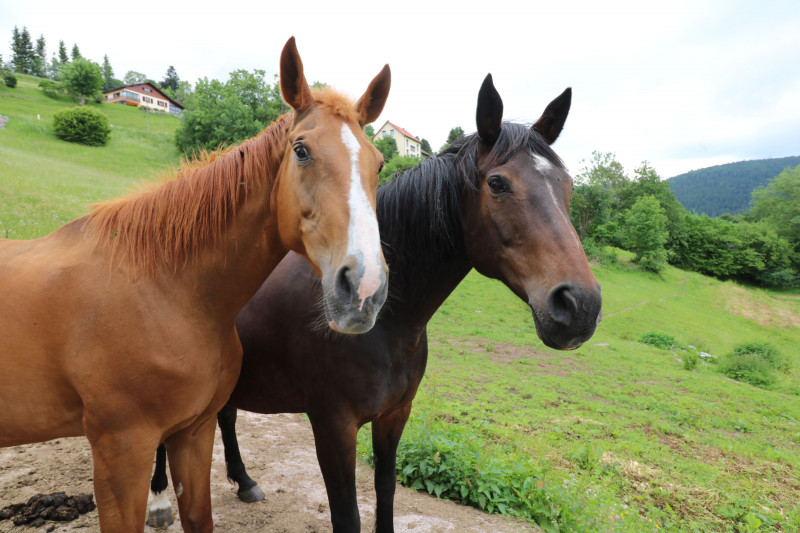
point(279, 453)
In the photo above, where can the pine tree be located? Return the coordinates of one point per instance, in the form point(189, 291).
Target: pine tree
point(40, 58)
point(63, 58)
point(21, 50)
point(76, 53)
point(171, 79)
point(108, 75)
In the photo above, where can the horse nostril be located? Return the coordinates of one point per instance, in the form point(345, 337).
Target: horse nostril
point(343, 285)
point(562, 304)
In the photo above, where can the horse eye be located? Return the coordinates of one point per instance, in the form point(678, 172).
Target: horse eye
point(301, 152)
point(498, 185)
point(380, 167)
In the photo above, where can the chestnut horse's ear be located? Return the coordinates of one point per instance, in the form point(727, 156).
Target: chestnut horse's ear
point(294, 86)
point(489, 115)
point(551, 122)
point(371, 103)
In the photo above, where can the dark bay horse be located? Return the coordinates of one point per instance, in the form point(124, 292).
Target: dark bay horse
point(497, 201)
point(120, 325)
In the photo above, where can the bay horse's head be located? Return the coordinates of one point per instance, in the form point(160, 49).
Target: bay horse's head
point(325, 201)
point(520, 231)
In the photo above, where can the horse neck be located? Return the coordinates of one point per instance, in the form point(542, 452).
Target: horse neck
point(209, 231)
point(424, 270)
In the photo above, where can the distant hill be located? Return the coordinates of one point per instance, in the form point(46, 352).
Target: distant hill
point(726, 188)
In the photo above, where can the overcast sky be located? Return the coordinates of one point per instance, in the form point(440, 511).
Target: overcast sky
point(683, 85)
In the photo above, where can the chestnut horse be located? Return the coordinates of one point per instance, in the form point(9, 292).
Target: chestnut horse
point(120, 325)
point(497, 201)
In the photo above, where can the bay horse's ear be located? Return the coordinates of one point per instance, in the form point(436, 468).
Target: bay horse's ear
point(489, 115)
point(371, 103)
point(551, 122)
point(294, 86)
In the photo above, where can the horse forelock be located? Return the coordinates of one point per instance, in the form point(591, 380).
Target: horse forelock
point(168, 223)
point(336, 103)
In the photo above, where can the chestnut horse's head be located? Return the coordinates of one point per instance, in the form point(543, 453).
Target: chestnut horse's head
point(325, 201)
point(520, 231)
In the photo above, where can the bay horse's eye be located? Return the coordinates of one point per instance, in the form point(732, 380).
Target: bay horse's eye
point(301, 152)
point(498, 185)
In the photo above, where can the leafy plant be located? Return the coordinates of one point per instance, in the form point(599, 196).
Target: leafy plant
point(83, 125)
point(659, 340)
point(754, 363)
point(9, 79)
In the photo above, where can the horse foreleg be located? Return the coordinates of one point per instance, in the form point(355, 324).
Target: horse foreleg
point(121, 468)
point(189, 452)
point(159, 511)
point(335, 438)
point(386, 432)
point(249, 491)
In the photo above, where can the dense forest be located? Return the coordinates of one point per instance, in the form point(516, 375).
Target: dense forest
point(722, 189)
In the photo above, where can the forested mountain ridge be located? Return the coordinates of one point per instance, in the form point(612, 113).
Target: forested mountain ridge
point(726, 188)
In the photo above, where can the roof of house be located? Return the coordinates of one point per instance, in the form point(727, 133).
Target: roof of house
point(398, 128)
point(135, 88)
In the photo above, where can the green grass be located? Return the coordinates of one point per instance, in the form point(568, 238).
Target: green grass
point(46, 182)
point(615, 436)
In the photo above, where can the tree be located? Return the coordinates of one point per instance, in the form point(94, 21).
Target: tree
point(395, 165)
point(76, 53)
point(40, 58)
point(22, 56)
point(603, 170)
point(426, 146)
point(132, 77)
point(109, 81)
point(171, 79)
point(82, 78)
point(63, 58)
point(387, 146)
point(369, 131)
point(219, 114)
point(454, 134)
point(778, 204)
point(644, 232)
point(589, 208)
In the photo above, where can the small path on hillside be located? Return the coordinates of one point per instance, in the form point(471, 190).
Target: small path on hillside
point(645, 302)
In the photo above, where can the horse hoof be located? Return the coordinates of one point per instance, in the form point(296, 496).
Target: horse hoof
point(160, 518)
point(252, 495)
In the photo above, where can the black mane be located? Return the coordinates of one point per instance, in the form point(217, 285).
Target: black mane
point(420, 211)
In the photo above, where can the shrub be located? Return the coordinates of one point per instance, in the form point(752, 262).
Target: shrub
point(48, 87)
point(83, 125)
point(690, 360)
point(659, 340)
point(754, 363)
point(9, 79)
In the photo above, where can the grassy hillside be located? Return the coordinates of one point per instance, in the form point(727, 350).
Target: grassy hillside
point(46, 182)
point(727, 188)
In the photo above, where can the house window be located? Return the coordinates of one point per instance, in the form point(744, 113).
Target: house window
point(391, 132)
point(384, 133)
point(147, 90)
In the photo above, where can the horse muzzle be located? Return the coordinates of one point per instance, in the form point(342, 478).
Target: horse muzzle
point(354, 295)
point(569, 315)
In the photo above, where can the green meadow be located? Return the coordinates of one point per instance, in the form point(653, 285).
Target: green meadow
point(617, 435)
point(46, 182)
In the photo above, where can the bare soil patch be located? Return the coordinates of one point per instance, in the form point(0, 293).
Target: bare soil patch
point(279, 452)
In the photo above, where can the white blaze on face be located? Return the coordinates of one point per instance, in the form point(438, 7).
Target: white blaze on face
point(363, 237)
point(543, 166)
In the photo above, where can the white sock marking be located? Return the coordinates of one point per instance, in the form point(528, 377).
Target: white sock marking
point(363, 237)
point(159, 501)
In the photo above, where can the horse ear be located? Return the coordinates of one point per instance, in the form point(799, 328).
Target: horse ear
point(489, 115)
point(551, 122)
point(371, 103)
point(294, 86)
